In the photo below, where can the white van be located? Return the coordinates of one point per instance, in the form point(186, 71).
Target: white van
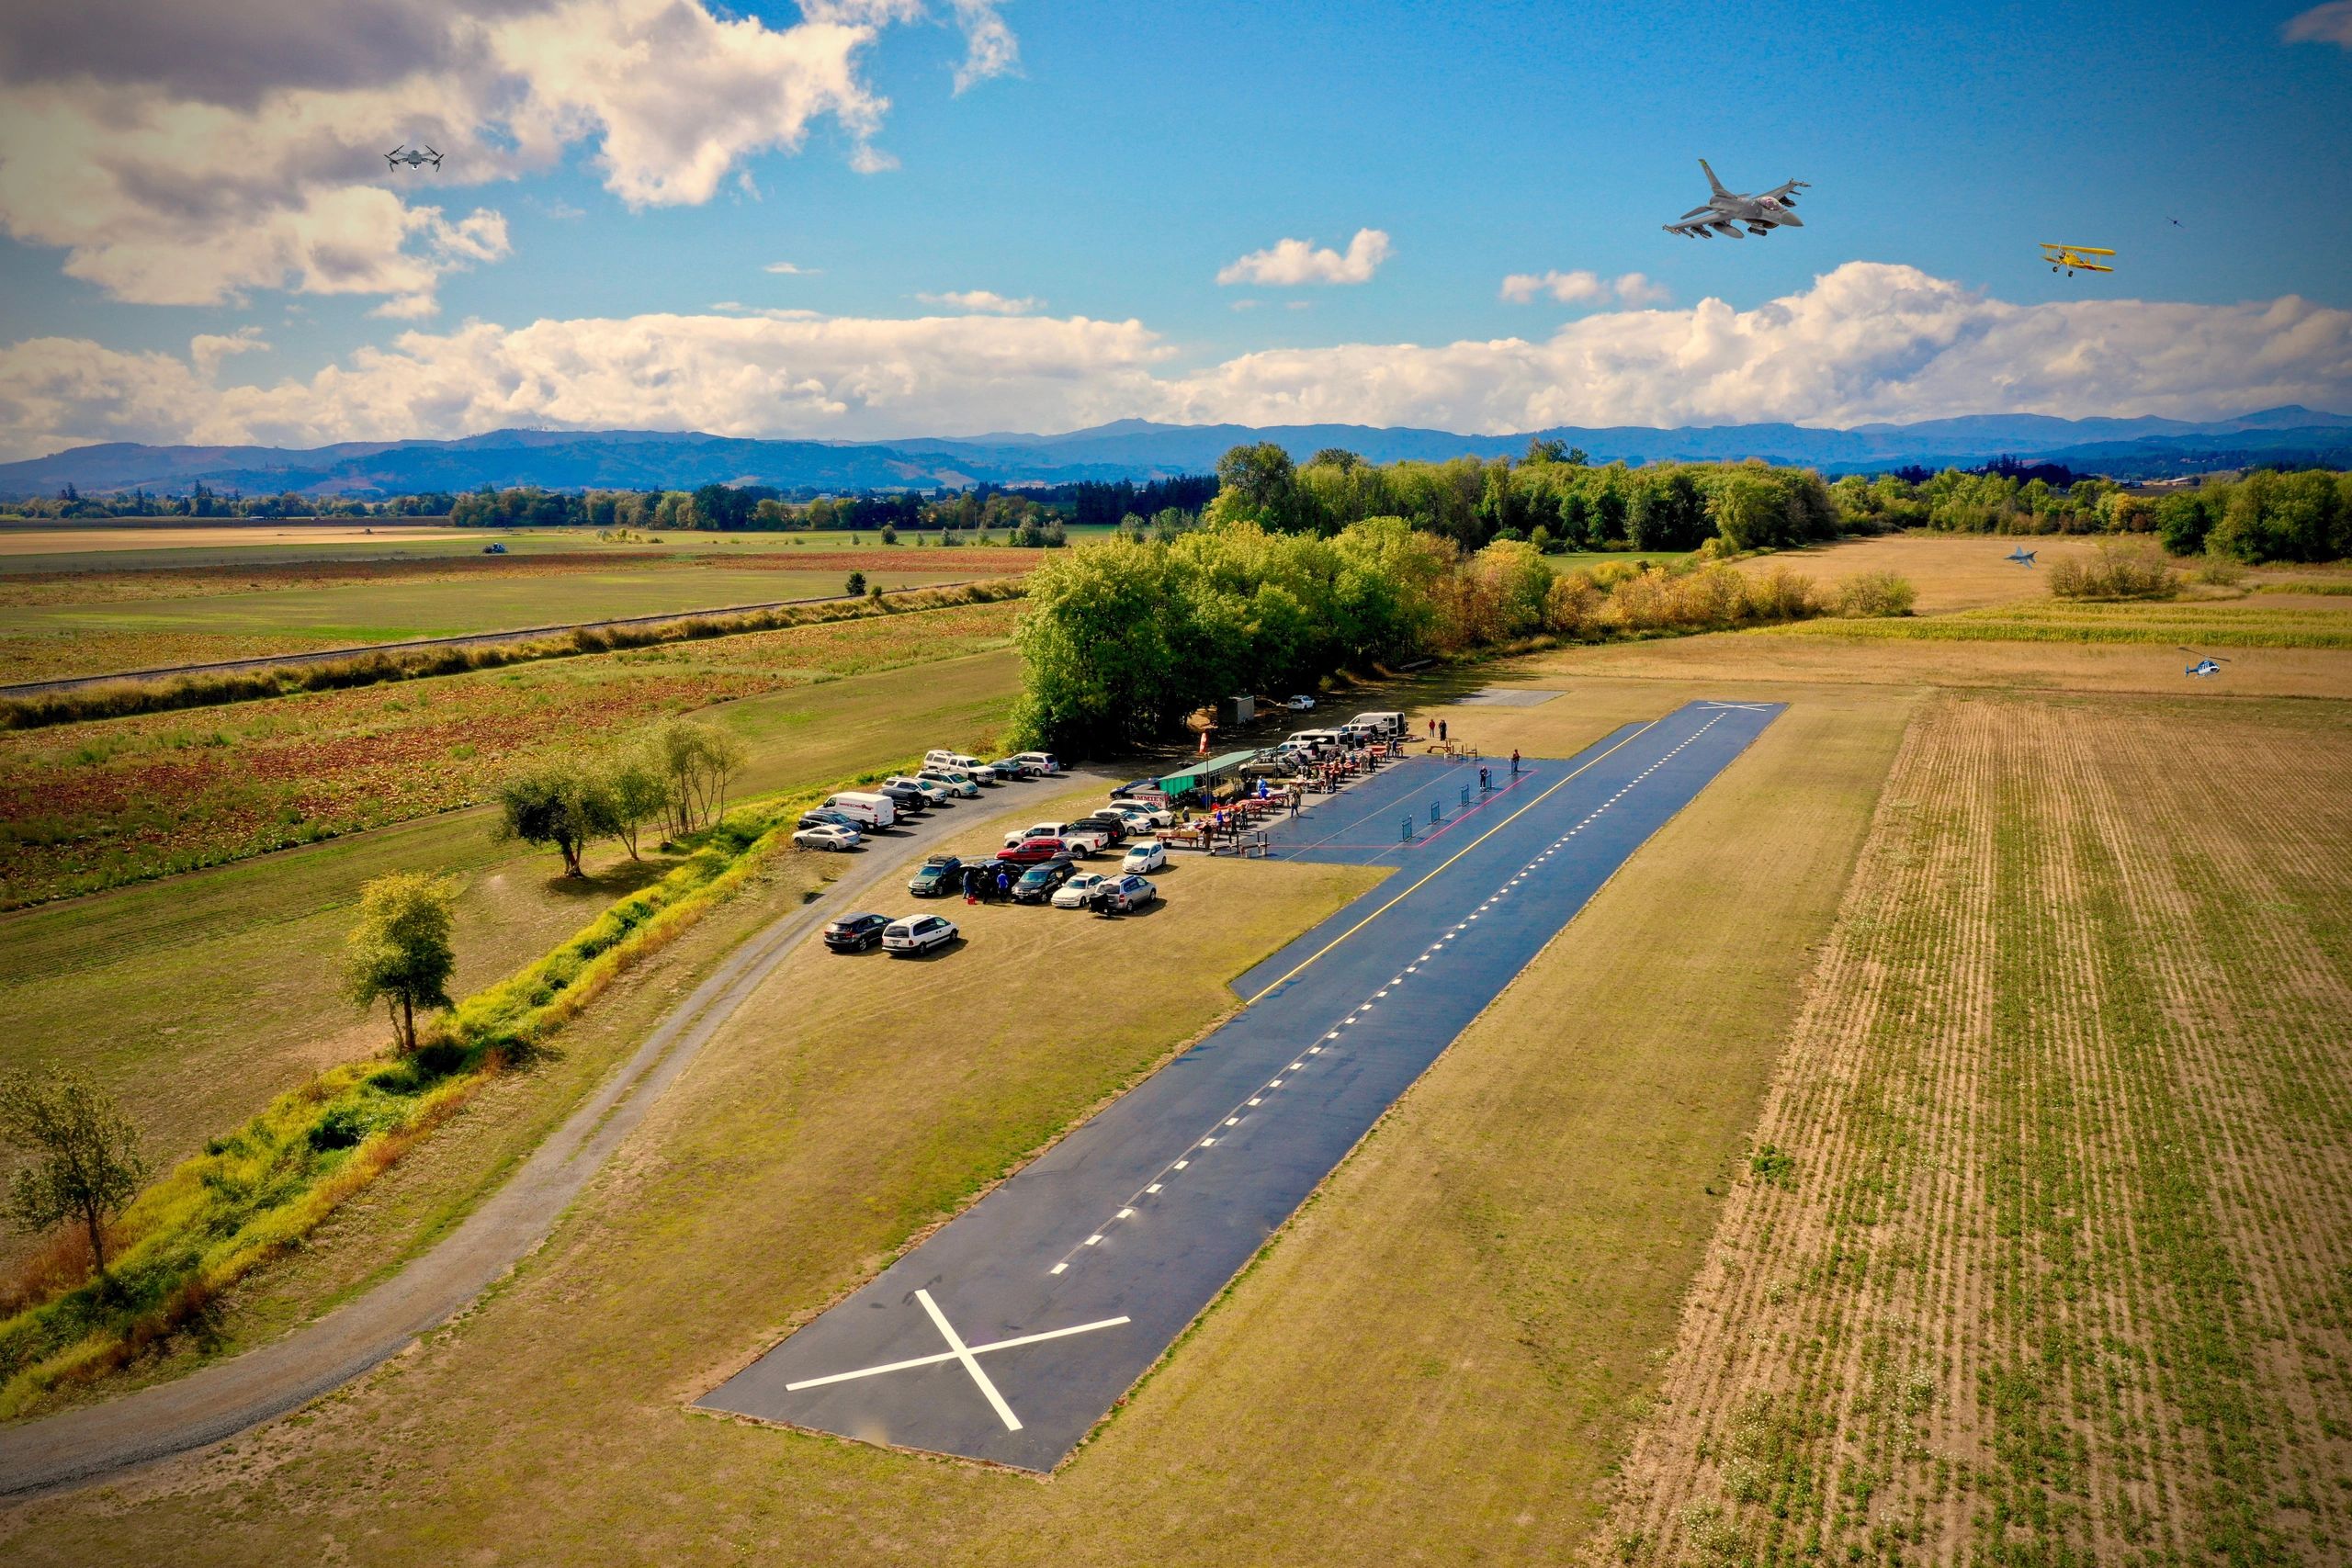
point(1314, 740)
point(1044, 762)
point(1381, 724)
point(871, 810)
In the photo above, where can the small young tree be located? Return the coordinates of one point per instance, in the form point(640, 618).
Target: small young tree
point(636, 794)
point(558, 804)
point(85, 1160)
point(855, 585)
point(399, 953)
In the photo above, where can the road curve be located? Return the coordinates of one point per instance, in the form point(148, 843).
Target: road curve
point(78, 1446)
point(462, 639)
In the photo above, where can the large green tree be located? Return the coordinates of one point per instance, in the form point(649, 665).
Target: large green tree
point(400, 953)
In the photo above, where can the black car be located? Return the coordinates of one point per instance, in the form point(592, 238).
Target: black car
point(1037, 884)
point(820, 817)
point(907, 801)
point(1114, 826)
point(939, 875)
point(855, 933)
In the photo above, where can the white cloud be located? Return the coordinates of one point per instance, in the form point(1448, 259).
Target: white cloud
point(982, 302)
point(1299, 261)
point(183, 154)
point(1582, 287)
point(207, 350)
point(788, 270)
point(989, 47)
point(1866, 342)
point(2331, 23)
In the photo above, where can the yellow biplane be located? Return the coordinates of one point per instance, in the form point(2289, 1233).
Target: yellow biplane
point(2073, 256)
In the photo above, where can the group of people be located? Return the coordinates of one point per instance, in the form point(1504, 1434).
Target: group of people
point(992, 883)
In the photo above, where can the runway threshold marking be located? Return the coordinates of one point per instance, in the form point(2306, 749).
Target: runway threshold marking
point(1305, 964)
point(959, 1352)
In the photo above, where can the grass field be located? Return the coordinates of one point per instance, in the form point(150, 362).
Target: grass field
point(1981, 1197)
point(94, 805)
point(2048, 1262)
point(200, 997)
point(1436, 1364)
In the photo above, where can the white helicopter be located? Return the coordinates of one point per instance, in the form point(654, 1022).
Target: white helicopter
point(2207, 665)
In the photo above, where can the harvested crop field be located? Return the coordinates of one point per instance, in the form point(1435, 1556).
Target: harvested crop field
point(89, 806)
point(2042, 1252)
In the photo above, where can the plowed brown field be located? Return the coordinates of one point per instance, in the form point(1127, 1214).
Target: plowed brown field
point(2046, 1252)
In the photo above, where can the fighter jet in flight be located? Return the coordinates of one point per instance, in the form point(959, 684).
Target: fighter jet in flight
point(1727, 211)
point(2022, 556)
point(412, 157)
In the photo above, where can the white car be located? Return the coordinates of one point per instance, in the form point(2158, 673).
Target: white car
point(826, 836)
point(1046, 762)
point(1073, 894)
point(1144, 855)
point(1150, 816)
point(933, 792)
point(1301, 703)
point(917, 934)
point(1081, 840)
point(958, 761)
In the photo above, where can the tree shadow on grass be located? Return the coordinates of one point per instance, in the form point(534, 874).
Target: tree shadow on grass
point(617, 880)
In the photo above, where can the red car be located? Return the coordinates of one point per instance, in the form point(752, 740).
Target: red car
point(1029, 852)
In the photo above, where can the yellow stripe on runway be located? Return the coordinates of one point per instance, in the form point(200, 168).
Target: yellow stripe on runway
point(1304, 964)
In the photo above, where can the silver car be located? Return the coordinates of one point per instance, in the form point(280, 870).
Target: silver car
point(827, 836)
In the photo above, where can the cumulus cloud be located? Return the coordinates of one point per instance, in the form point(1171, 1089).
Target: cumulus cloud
point(1300, 261)
point(989, 47)
point(1582, 287)
point(982, 302)
point(2331, 23)
point(1866, 342)
point(183, 155)
point(788, 270)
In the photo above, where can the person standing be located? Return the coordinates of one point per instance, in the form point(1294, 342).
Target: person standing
point(1440, 729)
point(1514, 761)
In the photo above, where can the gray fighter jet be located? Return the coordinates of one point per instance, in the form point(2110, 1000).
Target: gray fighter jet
point(412, 157)
point(1726, 211)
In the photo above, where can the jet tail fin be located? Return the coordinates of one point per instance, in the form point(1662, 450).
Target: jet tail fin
point(1714, 184)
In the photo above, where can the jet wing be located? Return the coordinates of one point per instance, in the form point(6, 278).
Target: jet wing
point(1786, 194)
point(1705, 228)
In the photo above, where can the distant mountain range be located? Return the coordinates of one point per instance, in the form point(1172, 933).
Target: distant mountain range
point(1139, 449)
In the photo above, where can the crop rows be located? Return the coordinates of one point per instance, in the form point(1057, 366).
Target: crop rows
point(89, 806)
point(2046, 1253)
point(2229, 623)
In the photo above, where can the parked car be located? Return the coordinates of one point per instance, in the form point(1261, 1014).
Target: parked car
point(1128, 894)
point(1032, 851)
point(1044, 763)
point(982, 772)
point(909, 801)
point(955, 780)
point(1381, 723)
point(1150, 816)
point(1077, 891)
point(826, 836)
point(1080, 838)
point(1144, 855)
point(1320, 742)
point(1301, 703)
point(917, 934)
point(1115, 829)
point(936, 877)
point(855, 933)
point(1007, 768)
point(1041, 881)
point(932, 794)
point(822, 818)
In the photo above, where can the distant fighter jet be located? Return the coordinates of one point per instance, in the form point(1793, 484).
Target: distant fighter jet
point(2022, 556)
point(412, 157)
point(2206, 665)
point(1727, 210)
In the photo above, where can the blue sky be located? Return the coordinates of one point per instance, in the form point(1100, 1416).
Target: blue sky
point(1133, 151)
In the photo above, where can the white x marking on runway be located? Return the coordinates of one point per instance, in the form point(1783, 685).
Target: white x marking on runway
point(959, 1352)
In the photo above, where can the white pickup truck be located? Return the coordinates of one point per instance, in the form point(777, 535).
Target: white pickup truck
point(1081, 838)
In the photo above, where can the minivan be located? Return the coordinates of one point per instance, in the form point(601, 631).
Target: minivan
point(1044, 762)
point(865, 811)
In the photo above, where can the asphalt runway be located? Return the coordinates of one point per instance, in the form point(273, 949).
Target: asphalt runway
point(1010, 1333)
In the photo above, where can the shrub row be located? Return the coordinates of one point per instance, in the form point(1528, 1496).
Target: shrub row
point(116, 699)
